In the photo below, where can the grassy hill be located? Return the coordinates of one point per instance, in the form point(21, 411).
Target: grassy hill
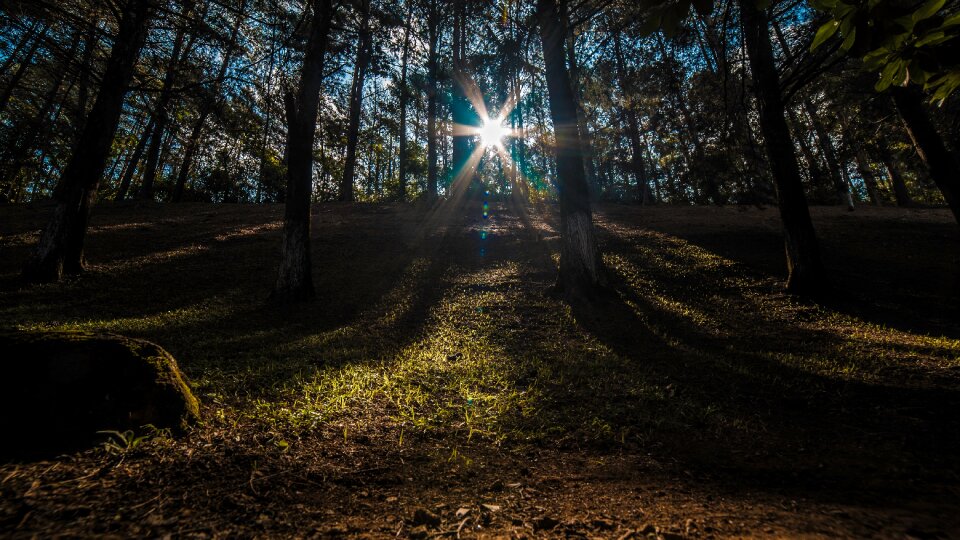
point(433, 377)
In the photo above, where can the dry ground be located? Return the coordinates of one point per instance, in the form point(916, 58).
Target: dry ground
point(434, 390)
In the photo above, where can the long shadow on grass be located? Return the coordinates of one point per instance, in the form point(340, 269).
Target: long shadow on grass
point(708, 373)
point(892, 267)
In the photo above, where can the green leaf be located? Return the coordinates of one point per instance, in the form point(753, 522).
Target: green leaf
point(927, 10)
point(907, 23)
point(849, 40)
point(824, 33)
point(934, 38)
point(952, 20)
point(887, 75)
point(823, 5)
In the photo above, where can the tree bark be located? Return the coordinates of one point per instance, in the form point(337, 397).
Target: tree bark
point(459, 104)
point(160, 113)
point(404, 99)
point(863, 167)
point(131, 169)
point(834, 168)
point(586, 137)
point(364, 50)
point(22, 69)
point(21, 150)
point(581, 275)
point(805, 269)
point(206, 108)
point(929, 145)
point(433, 36)
point(900, 192)
point(644, 193)
point(61, 245)
point(295, 279)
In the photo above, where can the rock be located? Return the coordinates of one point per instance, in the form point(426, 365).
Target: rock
point(602, 524)
point(422, 516)
point(64, 387)
point(419, 532)
point(544, 523)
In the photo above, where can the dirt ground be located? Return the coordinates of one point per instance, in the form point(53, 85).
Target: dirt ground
point(433, 390)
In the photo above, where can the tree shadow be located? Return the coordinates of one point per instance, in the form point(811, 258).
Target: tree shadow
point(762, 399)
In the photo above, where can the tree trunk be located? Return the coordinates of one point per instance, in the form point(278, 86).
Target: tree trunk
point(131, 169)
point(206, 108)
point(586, 137)
point(929, 145)
point(433, 37)
point(404, 98)
point(295, 279)
point(582, 274)
point(61, 245)
point(459, 105)
point(900, 191)
point(160, 113)
point(863, 167)
point(364, 50)
point(805, 269)
point(22, 69)
point(21, 150)
point(644, 194)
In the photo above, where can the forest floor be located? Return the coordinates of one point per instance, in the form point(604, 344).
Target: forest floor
point(434, 391)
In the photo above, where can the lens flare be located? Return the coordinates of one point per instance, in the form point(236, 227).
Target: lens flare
point(493, 132)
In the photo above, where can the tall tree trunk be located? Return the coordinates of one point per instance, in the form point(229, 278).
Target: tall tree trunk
point(26, 40)
point(433, 36)
point(83, 93)
point(295, 279)
point(834, 168)
point(131, 169)
point(711, 189)
point(900, 192)
point(581, 269)
point(929, 145)
point(404, 98)
point(459, 105)
point(160, 113)
point(61, 245)
point(863, 167)
point(644, 194)
point(24, 147)
point(806, 273)
point(22, 69)
point(364, 50)
point(586, 137)
point(206, 108)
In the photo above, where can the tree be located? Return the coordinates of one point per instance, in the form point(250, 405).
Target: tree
point(360, 65)
point(930, 147)
point(295, 278)
point(60, 249)
point(582, 274)
point(806, 274)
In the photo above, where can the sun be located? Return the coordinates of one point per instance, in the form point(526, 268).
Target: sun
point(492, 132)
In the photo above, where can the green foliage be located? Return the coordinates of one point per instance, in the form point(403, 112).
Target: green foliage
point(904, 43)
point(121, 443)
